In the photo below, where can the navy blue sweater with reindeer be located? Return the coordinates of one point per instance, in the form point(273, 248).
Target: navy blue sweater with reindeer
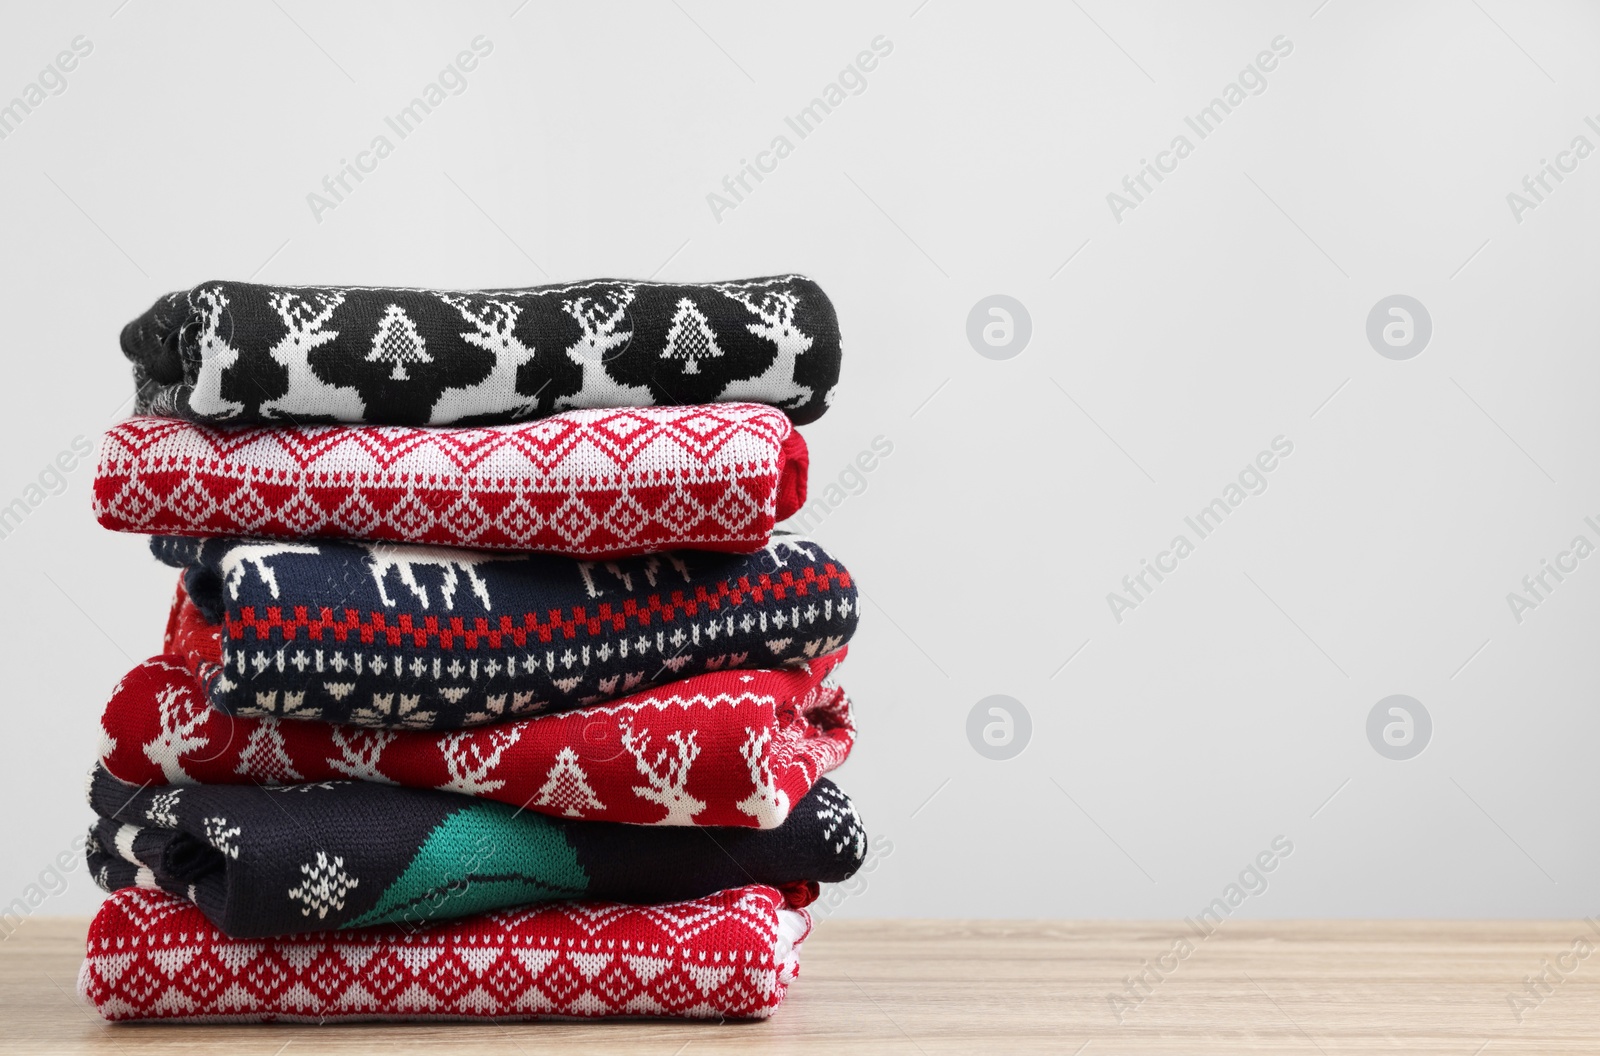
point(426, 637)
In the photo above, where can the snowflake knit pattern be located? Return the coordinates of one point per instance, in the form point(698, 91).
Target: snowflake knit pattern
point(430, 638)
point(730, 955)
point(342, 854)
point(730, 748)
point(245, 353)
point(594, 483)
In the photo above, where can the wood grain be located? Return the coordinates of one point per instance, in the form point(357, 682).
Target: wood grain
point(993, 986)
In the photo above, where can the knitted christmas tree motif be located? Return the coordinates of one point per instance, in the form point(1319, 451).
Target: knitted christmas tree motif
point(690, 338)
point(398, 342)
point(567, 787)
point(265, 757)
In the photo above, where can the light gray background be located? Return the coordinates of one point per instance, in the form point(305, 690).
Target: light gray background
point(1227, 309)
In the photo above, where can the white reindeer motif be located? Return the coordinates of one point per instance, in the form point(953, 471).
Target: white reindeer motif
point(794, 544)
point(182, 714)
point(666, 778)
point(470, 764)
point(776, 384)
point(652, 565)
point(382, 557)
point(599, 323)
point(493, 330)
point(216, 356)
point(308, 394)
point(768, 803)
point(359, 750)
point(234, 562)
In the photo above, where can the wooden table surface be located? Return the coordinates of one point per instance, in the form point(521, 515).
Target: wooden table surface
point(991, 986)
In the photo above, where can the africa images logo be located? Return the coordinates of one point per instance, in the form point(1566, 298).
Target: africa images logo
point(1252, 80)
point(1252, 480)
point(52, 80)
point(852, 80)
point(452, 80)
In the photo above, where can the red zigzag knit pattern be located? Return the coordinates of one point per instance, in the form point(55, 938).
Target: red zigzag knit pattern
point(732, 955)
point(589, 483)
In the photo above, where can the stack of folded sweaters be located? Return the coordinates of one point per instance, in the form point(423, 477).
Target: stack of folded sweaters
point(489, 689)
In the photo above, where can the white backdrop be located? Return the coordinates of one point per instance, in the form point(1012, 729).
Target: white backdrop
point(1218, 714)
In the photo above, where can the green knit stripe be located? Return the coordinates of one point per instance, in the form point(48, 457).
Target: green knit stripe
point(482, 857)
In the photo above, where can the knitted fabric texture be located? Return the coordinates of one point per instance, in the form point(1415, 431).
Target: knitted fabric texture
point(585, 483)
point(241, 352)
point(729, 748)
point(341, 854)
point(419, 637)
point(730, 955)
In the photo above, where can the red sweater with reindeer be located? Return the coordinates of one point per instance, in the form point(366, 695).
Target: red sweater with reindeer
point(730, 748)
